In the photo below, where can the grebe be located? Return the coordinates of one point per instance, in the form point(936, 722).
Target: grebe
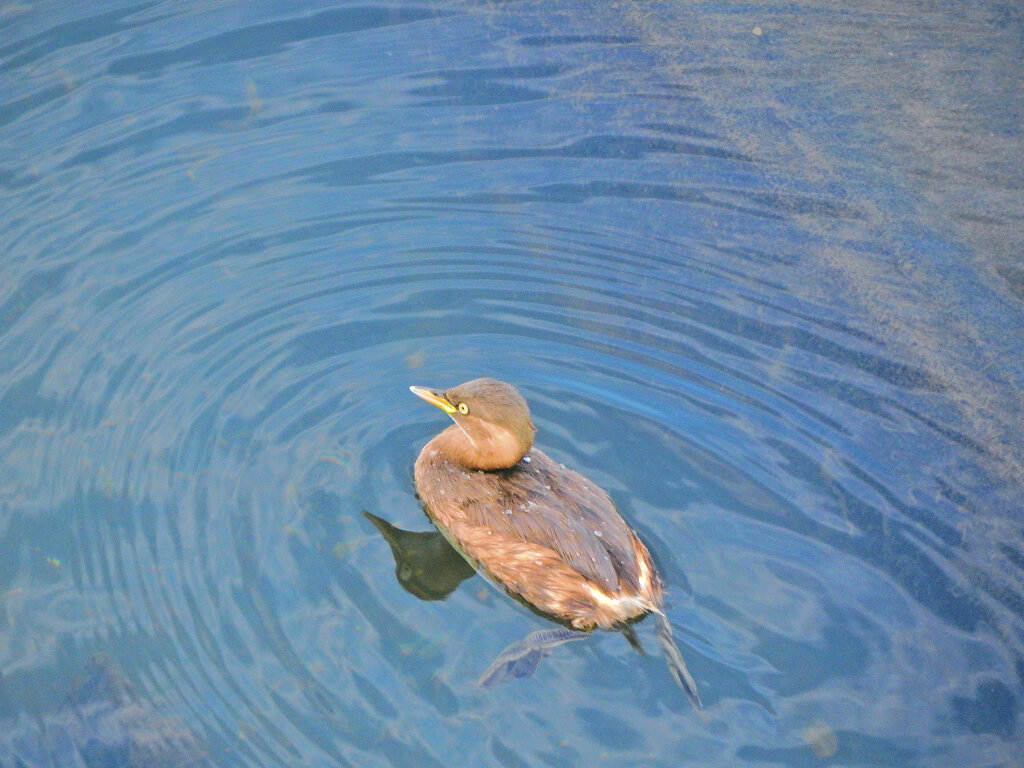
point(542, 531)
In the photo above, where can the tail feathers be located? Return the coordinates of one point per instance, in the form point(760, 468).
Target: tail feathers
point(675, 662)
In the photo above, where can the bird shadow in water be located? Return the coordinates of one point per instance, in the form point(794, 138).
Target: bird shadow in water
point(427, 566)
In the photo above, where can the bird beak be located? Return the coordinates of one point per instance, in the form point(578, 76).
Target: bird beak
point(434, 398)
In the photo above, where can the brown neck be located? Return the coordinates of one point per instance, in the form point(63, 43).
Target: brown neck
point(491, 448)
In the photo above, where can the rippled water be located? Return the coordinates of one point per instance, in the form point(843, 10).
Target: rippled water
point(757, 269)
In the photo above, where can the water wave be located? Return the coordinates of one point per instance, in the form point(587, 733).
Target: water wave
point(224, 265)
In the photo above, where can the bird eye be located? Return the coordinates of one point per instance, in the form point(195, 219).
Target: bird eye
point(463, 409)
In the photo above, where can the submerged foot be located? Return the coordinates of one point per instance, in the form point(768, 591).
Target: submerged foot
point(520, 659)
point(675, 662)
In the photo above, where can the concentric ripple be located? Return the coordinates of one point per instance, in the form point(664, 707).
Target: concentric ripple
point(233, 236)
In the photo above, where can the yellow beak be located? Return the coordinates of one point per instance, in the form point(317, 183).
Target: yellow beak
point(434, 398)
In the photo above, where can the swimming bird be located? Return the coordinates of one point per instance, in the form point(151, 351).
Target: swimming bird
point(542, 531)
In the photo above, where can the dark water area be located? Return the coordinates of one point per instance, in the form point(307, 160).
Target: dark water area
point(757, 268)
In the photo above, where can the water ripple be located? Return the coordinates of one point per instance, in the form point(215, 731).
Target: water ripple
point(232, 244)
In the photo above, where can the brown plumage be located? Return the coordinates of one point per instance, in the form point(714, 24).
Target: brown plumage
point(542, 531)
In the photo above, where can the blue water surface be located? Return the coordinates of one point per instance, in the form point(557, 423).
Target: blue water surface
point(757, 268)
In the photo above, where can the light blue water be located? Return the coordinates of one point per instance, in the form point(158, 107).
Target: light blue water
point(757, 269)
